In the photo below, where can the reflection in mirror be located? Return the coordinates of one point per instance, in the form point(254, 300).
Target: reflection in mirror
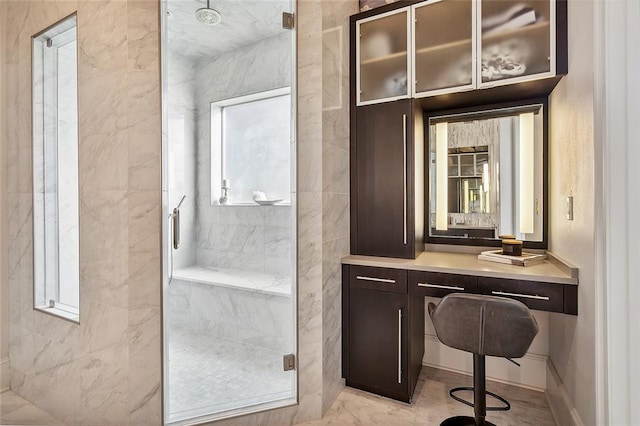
point(55, 169)
point(487, 175)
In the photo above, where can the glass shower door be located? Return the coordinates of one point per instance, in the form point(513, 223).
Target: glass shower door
point(229, 307)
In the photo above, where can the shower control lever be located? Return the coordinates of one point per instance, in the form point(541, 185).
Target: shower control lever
point(175, 221)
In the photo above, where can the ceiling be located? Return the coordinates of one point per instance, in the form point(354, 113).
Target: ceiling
point(243, 22)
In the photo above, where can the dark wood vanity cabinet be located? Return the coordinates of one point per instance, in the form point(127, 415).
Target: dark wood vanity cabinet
point(383, 319)
point(383, 331)
point(382, 190)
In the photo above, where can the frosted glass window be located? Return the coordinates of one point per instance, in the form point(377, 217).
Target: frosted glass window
point(55, 170)
point(251, 148)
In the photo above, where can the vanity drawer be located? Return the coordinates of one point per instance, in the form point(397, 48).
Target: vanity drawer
point(536, 295)
point(383, 279)
point(436, 284)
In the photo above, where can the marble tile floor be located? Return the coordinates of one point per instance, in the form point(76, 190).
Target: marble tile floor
point(15, 410)
point(354, 407)
point(432, 404)
point(208, 375)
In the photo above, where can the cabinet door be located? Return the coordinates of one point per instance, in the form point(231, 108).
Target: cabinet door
point(378, 342)
point(517, 41)
point(382, 194)
point(444, 47)
point(382, 46)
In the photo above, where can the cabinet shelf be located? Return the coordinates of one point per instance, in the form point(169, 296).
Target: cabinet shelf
point(519, 31)
point(490, 37)
point(385, 58)
point(444, 46)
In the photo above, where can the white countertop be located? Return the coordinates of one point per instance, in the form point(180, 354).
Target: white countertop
point(552, 270)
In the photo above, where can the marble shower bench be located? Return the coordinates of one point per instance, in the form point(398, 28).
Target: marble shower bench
point(245, 306)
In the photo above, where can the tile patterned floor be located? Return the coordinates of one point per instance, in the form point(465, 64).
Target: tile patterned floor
point(208, 374)
point(15, 410)
point(432, 404)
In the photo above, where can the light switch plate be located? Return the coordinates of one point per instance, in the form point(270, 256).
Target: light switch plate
point(570, 208)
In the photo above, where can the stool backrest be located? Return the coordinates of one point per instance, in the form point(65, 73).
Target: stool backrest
point(485, 325)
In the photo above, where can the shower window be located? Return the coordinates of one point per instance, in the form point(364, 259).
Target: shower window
point(55, 170)
point(251, 147)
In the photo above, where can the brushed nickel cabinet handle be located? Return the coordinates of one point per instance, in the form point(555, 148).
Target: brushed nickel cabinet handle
point(379, 280)
point(526, 296)
point(444, 287)
point(399, 345)
point(404, 185)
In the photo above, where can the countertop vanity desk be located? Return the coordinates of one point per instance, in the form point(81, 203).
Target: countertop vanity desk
point(449, 150)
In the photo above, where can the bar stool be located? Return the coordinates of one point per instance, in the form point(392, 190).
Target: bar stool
point(484, 326)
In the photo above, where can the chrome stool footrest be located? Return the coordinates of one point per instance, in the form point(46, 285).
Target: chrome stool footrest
point(506, 406)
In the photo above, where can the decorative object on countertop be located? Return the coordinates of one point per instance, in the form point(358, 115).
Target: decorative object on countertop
point(507, 237)
point(524, 259)
point(512, 247)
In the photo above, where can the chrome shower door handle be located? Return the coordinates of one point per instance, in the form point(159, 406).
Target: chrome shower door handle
point(175, 217)
point(175, 224)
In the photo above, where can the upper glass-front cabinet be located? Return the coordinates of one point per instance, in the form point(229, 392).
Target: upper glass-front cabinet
point(443, 34)
point(383, 63)
point(517, 41)
point(454, 46)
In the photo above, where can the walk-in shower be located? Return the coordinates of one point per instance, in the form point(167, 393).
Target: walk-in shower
point(229, 309)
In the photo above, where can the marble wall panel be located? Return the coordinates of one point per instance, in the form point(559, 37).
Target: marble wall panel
point(335, 185)
point(99, 371)
point(145, 363)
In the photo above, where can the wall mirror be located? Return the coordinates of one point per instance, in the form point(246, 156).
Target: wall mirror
point(487, 175)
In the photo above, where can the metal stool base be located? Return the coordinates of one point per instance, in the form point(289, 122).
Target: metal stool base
point(506, 406)
point(463, 421)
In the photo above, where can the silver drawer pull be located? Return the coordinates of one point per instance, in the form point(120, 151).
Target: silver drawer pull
point(378, 280)
point(444, 287)
point(526, 296)
point(399, 345)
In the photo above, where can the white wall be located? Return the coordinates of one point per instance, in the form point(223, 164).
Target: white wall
point(618, 202)
point(572, 345)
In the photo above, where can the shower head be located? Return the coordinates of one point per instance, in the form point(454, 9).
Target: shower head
point(208, 16)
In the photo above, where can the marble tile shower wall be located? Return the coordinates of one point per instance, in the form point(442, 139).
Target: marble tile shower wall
point(105, 370)
point(181, 109)
point(108, 369)
point(240, 237)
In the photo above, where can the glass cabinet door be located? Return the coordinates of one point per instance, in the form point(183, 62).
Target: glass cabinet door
point(444, 47)
point(516, 41)
point(383, 63)
point(467, 165)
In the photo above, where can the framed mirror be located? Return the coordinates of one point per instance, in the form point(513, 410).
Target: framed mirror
point(487, 174)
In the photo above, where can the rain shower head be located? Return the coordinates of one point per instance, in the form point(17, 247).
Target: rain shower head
point(208, 16)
